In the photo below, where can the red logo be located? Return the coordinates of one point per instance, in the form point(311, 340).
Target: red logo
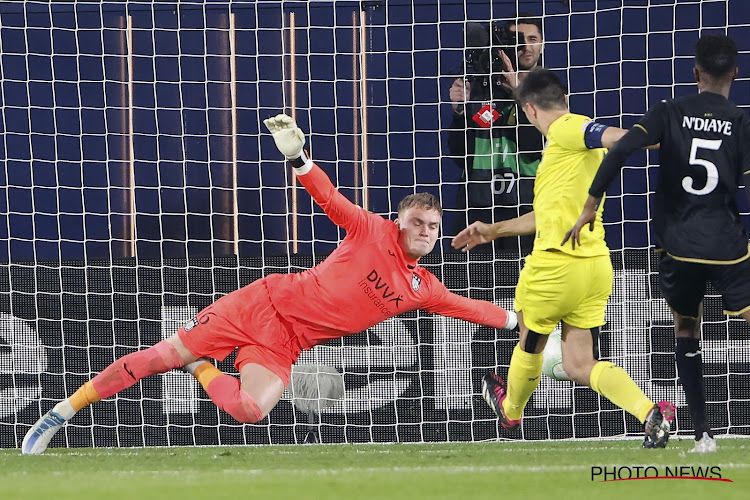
point(486, 116)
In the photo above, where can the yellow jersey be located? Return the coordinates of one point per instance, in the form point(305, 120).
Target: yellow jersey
point(561, 188)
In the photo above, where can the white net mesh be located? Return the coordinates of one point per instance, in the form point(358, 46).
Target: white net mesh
point(139, 187)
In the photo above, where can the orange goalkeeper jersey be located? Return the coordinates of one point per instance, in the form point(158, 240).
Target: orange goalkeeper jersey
point(366, 280)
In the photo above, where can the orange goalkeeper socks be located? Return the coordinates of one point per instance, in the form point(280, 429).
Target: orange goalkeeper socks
point(206, 372)
point(84, 396)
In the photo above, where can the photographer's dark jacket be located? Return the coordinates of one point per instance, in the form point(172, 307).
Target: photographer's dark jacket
point(499, 161)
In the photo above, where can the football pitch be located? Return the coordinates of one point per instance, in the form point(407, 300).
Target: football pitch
point(463, 471)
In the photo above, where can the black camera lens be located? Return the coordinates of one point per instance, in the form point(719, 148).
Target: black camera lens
point(509, 41)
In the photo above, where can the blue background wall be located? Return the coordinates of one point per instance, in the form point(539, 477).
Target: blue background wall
point(65, 130)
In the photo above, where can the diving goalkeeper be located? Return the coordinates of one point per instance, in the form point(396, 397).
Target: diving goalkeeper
point(373, 275)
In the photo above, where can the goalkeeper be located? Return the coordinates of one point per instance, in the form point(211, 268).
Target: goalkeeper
point(562, 283)
point(373, 275)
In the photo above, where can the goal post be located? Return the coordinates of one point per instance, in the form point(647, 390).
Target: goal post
point(139, 186)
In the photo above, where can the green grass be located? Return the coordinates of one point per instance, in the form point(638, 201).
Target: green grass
point(463, 471)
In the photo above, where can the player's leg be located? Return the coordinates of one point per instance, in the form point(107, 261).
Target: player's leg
point(579, 328)
point(577, 353)
point(733, 283)
point(523, 376)
point(612, 382)
point(683, 285)
point(267, 350)
point(248, 400)
point(607, 379)
point(538, 299)
point(126, 371)
point(604, 377)
point(123, 373)
point(688, 356)
point(263, 385)
point(208, 334)
point(264, 372)
point(689, 361)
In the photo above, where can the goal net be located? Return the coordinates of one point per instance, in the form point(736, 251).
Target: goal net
point(139, 186)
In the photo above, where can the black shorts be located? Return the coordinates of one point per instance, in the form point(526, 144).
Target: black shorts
point(684, 284)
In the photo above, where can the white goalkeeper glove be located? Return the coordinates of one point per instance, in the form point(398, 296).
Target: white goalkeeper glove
point(512, 321)
point(287, 135)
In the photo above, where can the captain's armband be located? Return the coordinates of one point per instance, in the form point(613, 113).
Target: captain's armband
point(592, 134)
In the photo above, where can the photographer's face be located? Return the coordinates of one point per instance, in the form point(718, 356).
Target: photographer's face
point(528, 56)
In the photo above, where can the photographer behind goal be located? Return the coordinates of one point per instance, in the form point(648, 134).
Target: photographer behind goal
point(495, 146)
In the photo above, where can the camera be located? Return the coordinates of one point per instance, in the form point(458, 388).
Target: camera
point(508, 40)
point(484, 43)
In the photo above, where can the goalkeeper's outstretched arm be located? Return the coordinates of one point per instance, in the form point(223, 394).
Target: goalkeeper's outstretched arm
point(290, 141)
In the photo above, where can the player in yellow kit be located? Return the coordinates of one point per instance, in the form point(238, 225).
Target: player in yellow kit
point(569, 284)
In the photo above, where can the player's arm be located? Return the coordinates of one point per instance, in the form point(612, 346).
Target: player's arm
point(598, 135)
point(481, 232)
point(290, 140)
point(611, 135)
point(460, 134)
point(634, 139)
point(446, 303)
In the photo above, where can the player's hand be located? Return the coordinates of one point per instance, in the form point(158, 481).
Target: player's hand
point(476, 234)
point(588, 216)
point(287, 135)
point(459, 92)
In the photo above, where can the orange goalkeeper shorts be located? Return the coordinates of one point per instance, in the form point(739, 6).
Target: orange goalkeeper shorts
point(245, 320)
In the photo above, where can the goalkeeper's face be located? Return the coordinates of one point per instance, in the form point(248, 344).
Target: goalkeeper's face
point(419, 230)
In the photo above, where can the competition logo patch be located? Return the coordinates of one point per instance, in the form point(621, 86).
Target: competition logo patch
point(416, 281)
point(486, 116)
point(191, 324)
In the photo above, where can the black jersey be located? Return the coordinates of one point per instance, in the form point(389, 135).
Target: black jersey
point(704, 151)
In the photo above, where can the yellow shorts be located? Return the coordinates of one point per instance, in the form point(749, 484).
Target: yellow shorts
point(555, 287)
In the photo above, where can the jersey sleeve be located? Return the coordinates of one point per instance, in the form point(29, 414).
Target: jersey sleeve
point(570, 134)
point(340, 210)
point(652, 123)
point(646, 133)
point(446, 303)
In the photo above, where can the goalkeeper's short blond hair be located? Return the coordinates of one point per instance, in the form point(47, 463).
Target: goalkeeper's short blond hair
point(421, 200)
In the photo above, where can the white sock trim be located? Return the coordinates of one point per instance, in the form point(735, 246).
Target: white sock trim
point(512, 320)
point(191, 367)
point(304, 168)
point(64, 409)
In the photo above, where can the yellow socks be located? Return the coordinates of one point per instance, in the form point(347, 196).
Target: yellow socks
point(84, 396)
point(523, 379)
point(615, 384)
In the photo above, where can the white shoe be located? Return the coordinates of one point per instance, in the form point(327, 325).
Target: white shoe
point(706, 444)
point(40, 434)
